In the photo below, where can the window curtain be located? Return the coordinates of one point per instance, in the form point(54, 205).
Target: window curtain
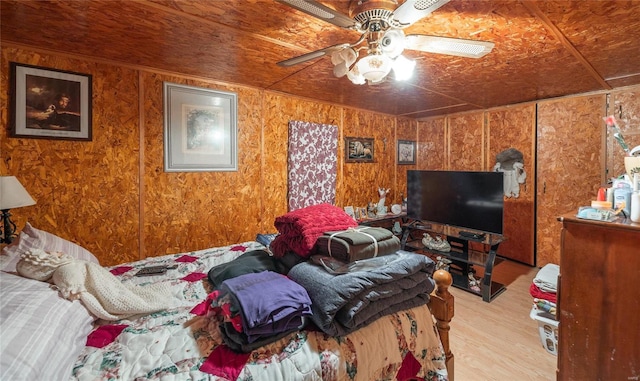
point(312, 164)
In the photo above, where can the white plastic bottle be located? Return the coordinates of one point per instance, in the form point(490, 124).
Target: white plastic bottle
point(622, 196)
point(635, 199)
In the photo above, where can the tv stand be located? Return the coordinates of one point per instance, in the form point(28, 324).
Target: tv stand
point(468, 249)
point(472, 235)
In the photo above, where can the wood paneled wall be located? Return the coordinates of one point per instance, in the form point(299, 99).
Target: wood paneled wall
point(112, 196)
point(570, 160)
point(432, 144)
point(87, 192)
point(466, 138)
point(514, 127)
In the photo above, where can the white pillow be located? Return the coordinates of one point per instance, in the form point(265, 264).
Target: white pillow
point(42, 333)
point(32, 238)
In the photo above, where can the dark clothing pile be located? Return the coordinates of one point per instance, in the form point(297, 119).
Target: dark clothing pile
point(269, 305)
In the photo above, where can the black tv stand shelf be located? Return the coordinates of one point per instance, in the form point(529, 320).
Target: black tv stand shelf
point(468, 249)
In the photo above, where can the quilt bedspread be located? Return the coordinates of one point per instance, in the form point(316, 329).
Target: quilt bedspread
point(176, 344)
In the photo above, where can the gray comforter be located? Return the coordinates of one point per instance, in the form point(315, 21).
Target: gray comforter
point(343, 303)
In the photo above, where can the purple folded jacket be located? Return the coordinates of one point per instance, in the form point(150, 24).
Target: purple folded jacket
point(269, 302)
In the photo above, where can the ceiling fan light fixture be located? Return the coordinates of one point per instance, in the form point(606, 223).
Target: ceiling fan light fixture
point(381, 24)
point(349, 55)
point(392, 43)
point(336, 58)
point(342, 61)
point(340, 70)
point(374, 67)
point(355, 77)
point(403, 68)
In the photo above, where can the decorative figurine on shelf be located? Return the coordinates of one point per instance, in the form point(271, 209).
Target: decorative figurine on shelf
point(382, 210)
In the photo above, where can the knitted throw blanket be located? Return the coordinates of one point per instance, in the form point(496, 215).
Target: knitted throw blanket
point(100, 291)
point(300, 229)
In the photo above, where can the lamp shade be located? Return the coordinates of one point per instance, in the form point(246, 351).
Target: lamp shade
point(403, 68)
point(355, 76)
point(12, 194)
point(374, 67)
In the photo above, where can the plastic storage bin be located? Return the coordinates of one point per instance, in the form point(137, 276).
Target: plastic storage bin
point(548, 330)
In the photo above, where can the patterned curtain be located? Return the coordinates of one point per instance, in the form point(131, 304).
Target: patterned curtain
point(313, 157)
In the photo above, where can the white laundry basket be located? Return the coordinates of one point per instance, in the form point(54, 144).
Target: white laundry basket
point(548, 330)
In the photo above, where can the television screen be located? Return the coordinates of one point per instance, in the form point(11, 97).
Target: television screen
point(472, 200)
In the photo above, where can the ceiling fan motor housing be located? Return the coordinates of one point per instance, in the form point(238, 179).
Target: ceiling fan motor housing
point(373, 13)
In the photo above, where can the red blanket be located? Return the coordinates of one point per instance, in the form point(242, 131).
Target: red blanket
point(299, 230)
point(536, 292)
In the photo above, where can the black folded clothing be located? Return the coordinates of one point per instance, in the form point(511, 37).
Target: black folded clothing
point(255, 261)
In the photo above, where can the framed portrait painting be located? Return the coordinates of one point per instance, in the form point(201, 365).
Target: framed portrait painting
point(49, 103)
point(359, 150)
point(406, 152)
point(200, 129)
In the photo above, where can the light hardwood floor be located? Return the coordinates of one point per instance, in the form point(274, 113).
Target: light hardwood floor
point(498, 341)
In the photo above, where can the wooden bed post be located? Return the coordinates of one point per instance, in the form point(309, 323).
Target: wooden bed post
point(441, 306)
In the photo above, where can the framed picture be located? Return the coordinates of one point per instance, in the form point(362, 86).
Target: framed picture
point(200, 129)
point(406, 152)
point(361, 213)
point(359, 150)
point(49, 103)
point(351, 212)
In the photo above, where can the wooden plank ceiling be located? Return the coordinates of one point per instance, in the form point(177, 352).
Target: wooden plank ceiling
point(542, 49)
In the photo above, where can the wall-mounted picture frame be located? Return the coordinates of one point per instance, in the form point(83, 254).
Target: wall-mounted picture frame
point(406, 152)
point(359, 150)
point(49, 103)
point(200, 129)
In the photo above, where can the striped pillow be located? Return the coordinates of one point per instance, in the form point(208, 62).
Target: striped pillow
point(32, 238)
point(42, 333)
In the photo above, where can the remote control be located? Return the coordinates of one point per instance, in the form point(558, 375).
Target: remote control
point(154, 270)
point(472, 235)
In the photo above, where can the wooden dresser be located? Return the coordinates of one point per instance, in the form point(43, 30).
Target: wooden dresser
point(599, 300)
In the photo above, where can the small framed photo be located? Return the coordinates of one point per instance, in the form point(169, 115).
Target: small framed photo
point(406, 152)
point(361, 213)
point(359, 150)
point(200, 129)
point(49, 104)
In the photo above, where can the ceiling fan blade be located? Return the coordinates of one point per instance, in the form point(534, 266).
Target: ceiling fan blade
point(446, 45)
point(322, 12)
point(413, 10)
point(313, 55)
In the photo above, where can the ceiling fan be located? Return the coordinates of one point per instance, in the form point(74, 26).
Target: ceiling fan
point(381, 24)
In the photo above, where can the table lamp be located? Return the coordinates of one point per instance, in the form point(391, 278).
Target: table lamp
point(12, 195)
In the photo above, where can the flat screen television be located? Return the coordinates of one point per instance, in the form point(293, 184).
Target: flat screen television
point(467, 200)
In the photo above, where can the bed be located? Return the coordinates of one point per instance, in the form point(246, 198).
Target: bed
point(48, 337)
